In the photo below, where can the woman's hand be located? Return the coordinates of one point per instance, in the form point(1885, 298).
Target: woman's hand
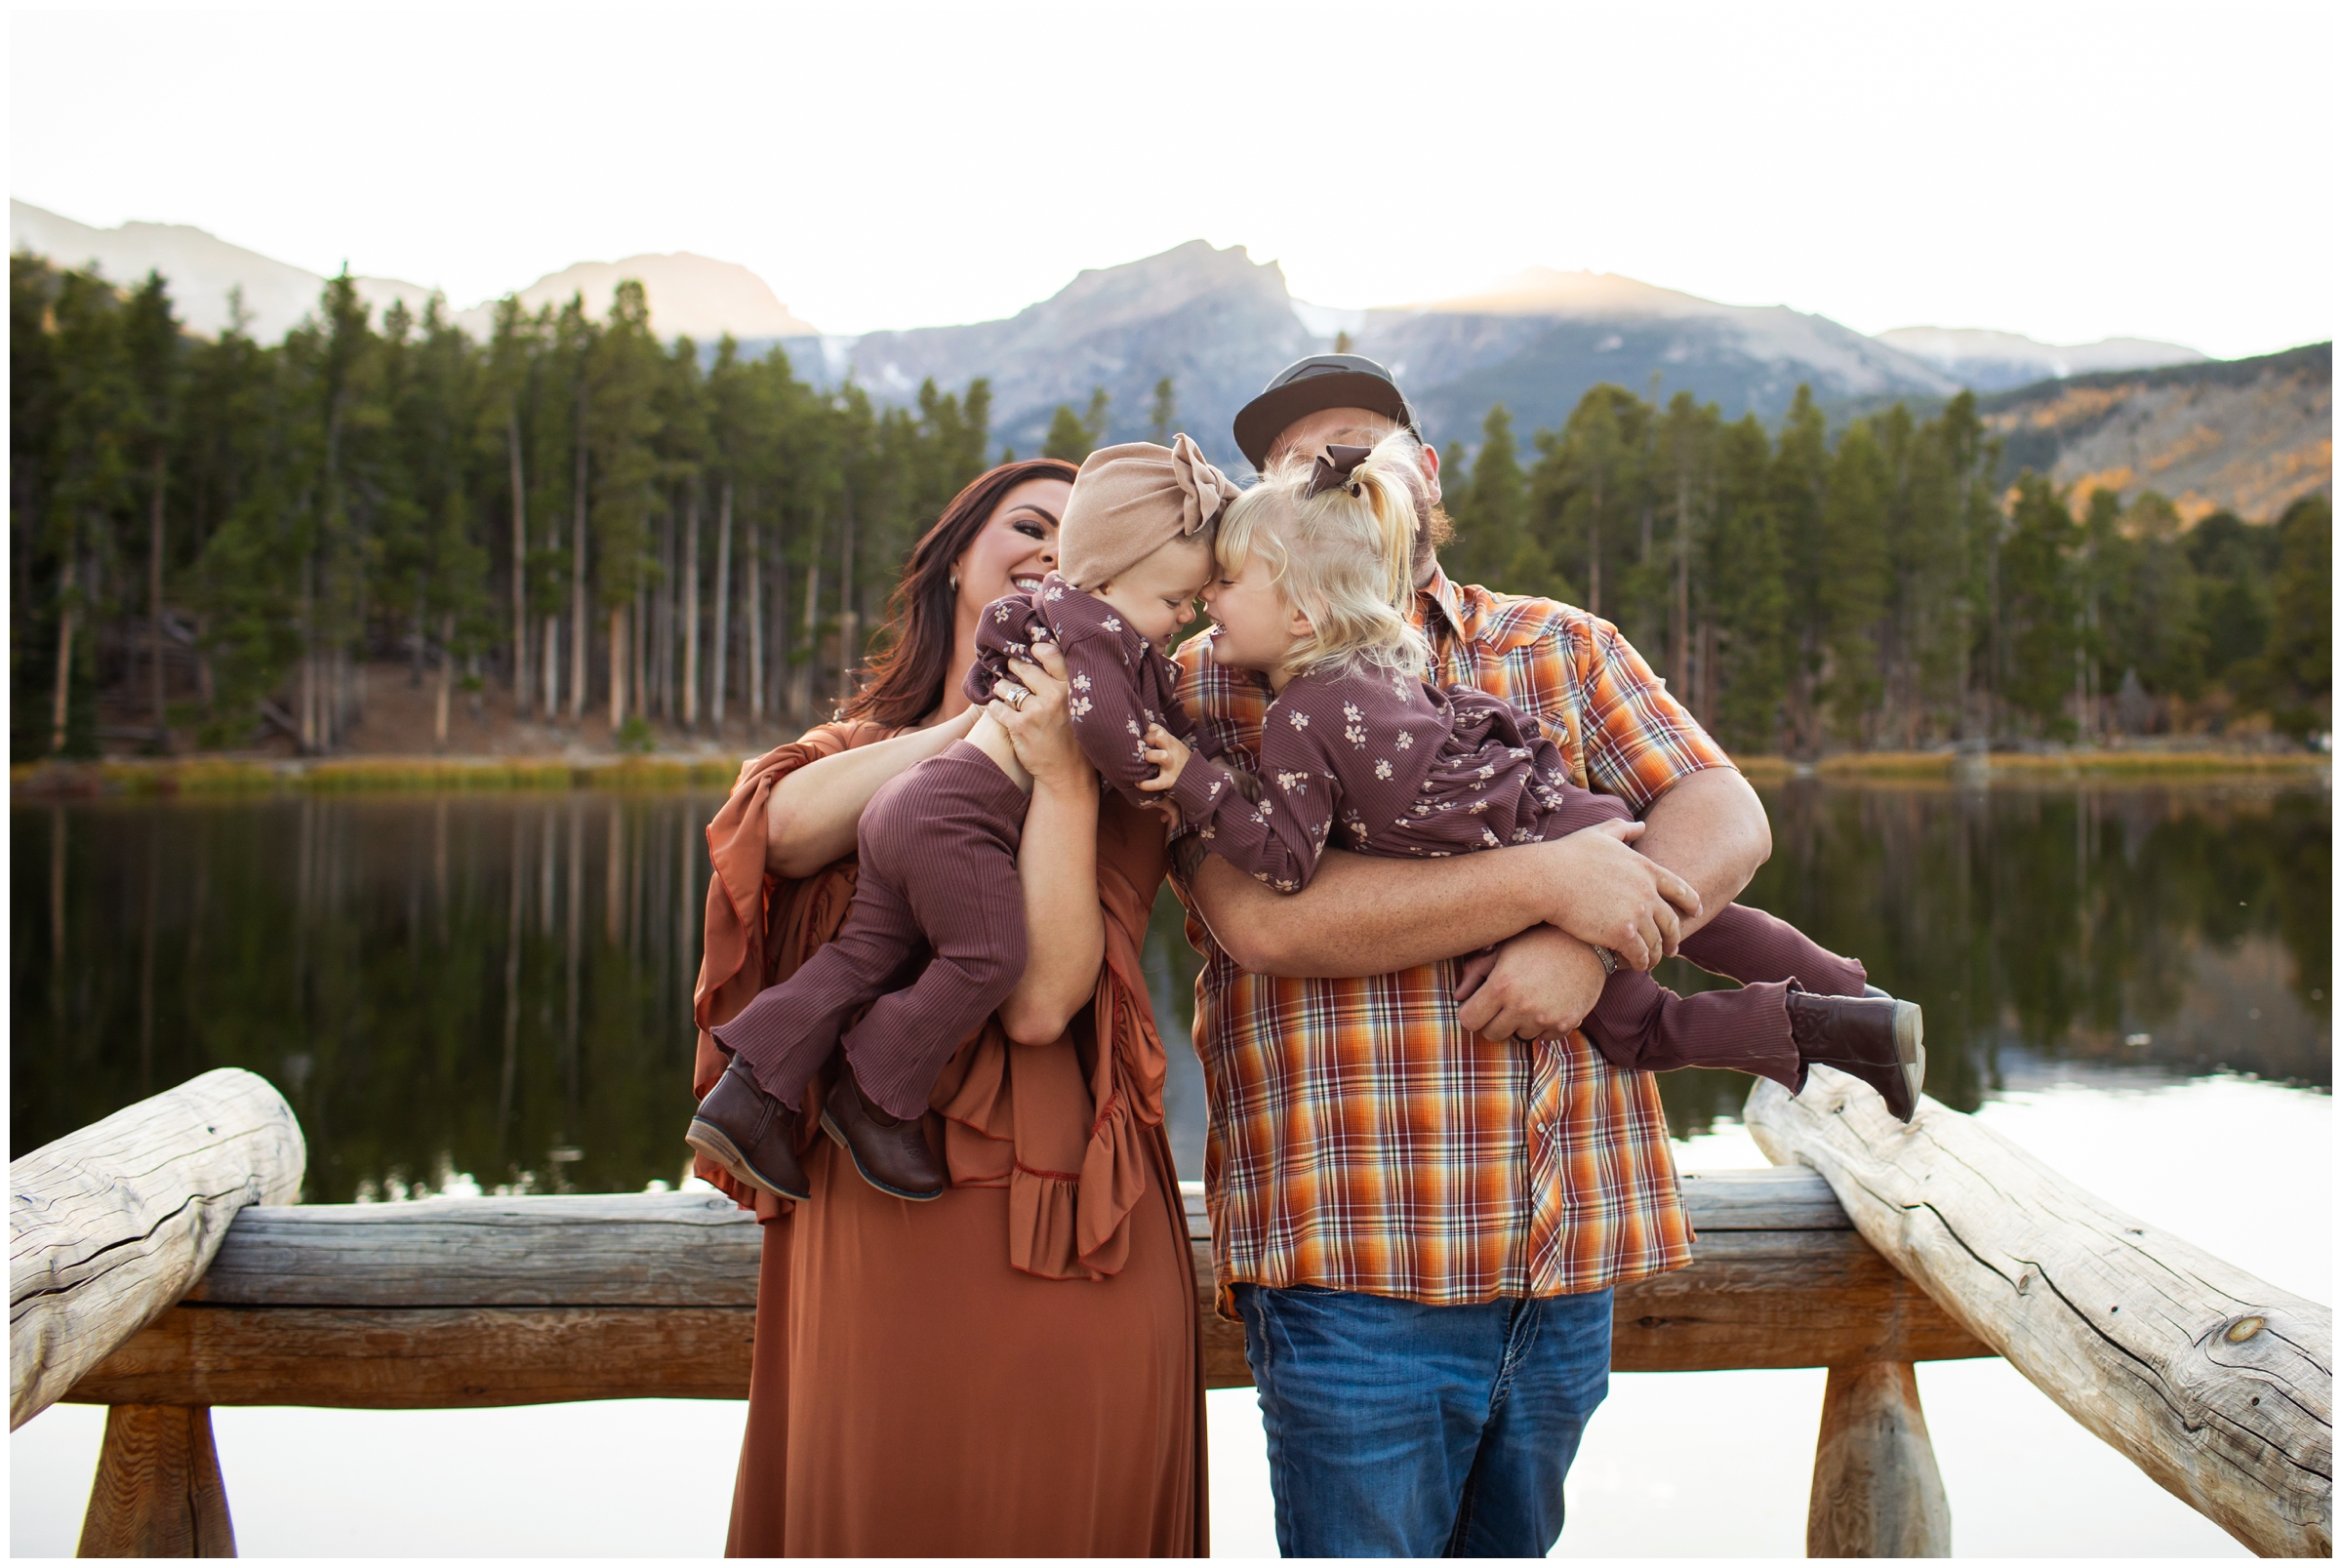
point(1613, 898)
point(1038, 727)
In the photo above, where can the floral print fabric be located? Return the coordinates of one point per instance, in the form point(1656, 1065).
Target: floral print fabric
point(1384, 763)
point(1121, 682)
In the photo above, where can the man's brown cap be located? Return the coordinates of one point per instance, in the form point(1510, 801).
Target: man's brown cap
point(1319, 381)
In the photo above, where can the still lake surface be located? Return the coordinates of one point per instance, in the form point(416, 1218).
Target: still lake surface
point(490, 992)
point(493, 992)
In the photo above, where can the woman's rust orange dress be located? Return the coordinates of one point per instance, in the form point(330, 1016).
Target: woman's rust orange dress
point(1011, 1369)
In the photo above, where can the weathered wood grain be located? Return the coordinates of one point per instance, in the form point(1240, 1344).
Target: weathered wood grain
point(1779, 1197)
point(642, 1249)
point(343, 1274)
point(428, 1358)
point(1780, 1299)
point(2217, 1384)
point(1877, 1492)
point(158, 1492)
point(110, 1224)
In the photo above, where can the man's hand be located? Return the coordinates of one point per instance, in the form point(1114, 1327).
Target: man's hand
point(1710, 830)
point(1539, 985)
point(1614, 898)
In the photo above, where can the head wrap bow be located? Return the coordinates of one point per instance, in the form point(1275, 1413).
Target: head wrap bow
point(1325, 475)
point(1130, 501)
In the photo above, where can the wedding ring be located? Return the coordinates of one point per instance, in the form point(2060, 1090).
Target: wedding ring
point(1015, 696)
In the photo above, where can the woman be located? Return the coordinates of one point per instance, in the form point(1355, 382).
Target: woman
point(1049, 1401)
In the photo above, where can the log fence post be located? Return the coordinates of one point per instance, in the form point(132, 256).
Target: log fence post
point(158, 1492)
point(1877, 1492)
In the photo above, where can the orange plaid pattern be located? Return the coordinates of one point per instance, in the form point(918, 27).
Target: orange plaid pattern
point(1360, 1139)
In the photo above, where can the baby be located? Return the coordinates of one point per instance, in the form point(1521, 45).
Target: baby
point(1315, 570)
point(934, 940)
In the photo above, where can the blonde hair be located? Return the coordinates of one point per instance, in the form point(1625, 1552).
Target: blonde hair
point(1346, 561)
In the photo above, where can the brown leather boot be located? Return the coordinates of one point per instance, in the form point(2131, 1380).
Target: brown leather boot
point(891, 1153)
point(751, 1133)
point(1875, 1038)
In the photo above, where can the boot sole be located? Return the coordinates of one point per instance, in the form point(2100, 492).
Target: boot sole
point(708, 1138)
point(1910, 1048)
point(839, 1137)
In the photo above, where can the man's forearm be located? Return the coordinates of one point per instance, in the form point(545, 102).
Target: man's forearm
point(1370, 916)
point(1709, 829)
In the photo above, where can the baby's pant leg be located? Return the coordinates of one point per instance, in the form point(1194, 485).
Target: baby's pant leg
point(1641, 1025)
point(788, 1030)
point(1748, 945)
point(953, 850)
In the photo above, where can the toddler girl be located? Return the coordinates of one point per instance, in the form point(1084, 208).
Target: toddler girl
point(1315, 565)
point(934, 940)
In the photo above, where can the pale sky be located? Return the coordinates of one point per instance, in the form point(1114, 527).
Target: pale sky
point(2070, 172)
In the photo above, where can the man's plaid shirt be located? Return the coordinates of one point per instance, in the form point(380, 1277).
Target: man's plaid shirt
point(1360, 1139)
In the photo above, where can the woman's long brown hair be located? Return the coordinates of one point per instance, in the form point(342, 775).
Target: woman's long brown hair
point(903, 681)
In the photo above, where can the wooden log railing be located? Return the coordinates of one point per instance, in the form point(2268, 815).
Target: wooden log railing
point(108, 1226)
point(2217, 1384)
point(479, 1301)
point(484, 1302)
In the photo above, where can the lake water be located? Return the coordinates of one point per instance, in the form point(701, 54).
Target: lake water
point(490, 992)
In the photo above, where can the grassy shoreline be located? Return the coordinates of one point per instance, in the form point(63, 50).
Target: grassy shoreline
point(232, 775)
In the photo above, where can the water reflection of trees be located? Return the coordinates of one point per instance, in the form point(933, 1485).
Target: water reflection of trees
point(2064, 924)
point(497, 987)
point(492, 985)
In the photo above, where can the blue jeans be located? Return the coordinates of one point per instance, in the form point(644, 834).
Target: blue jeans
point(1398, 1430)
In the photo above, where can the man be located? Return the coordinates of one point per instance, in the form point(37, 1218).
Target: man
point(1422, 1189)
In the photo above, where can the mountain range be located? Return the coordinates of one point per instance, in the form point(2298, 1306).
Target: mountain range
point(1219, 324)
point(2251, 436)
point(690, 295)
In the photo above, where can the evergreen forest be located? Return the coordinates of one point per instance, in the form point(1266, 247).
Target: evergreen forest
point(1886, 587)
point(222, 537)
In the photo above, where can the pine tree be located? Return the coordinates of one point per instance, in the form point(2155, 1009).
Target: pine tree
point(151, 342)
point(2151, 631)
point(1494, 545)
point(1852, 581)
point(1162, 421)
point(1748, 594)
point(2299, 663)
point(1586, 485)
point(624, 421)
point(2037, 603)
point(1068, 438)
point(1684, 457)
point(509, 385)
point(1800, 481)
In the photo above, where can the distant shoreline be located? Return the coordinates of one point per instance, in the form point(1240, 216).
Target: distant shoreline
point(225, 775)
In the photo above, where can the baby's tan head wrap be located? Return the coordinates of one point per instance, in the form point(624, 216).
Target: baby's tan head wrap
point(1132, 500)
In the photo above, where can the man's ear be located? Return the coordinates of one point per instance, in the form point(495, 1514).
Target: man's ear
point(1431, 471)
